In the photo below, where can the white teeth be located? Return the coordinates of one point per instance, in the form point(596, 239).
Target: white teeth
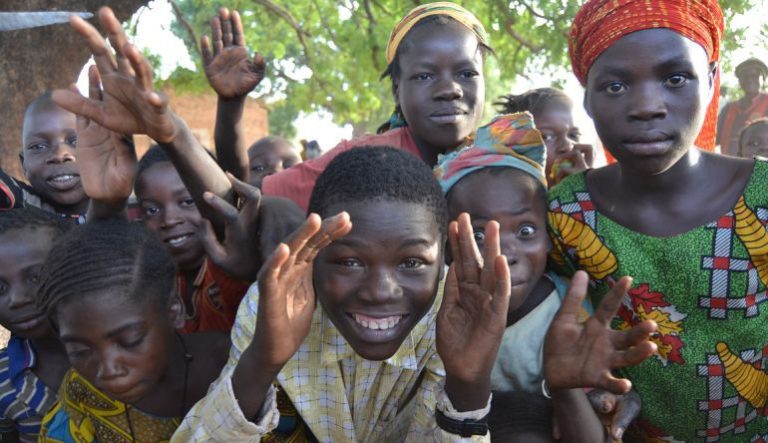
point(376, 324)
point(62, 178)
point(176, 241)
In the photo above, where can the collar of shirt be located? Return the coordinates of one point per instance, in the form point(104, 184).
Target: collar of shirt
point(21, 357)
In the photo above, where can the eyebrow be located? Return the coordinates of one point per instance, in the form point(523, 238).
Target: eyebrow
point(110, 334)
point(404, 244)
point(520, 211)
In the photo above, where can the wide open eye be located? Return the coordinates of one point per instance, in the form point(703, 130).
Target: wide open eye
point(527, 231)
point(615, 88)
point(676, 81)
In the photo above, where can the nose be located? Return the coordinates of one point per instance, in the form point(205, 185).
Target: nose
point(447, 88)
point(110, 367)
point(20, 297)
point(564, 145)
point(647, 103)
point(171, 217)
point(381, 286)
point(509, 248)
point(62, 152)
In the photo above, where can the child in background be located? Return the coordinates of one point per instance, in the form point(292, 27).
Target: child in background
point(210, 295)
point(553, 115)
point(753, 140)
point(364, 365)
point(49, 161)
point(34, 362)
point(268, 156)
point(501, 177)
point(688, 225)
point(108, 288)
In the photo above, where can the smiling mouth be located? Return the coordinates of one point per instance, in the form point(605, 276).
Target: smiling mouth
point(63, 181)
point(178, 240)
point(377, 324)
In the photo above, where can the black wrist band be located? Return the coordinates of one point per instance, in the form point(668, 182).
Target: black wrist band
point(465, 428)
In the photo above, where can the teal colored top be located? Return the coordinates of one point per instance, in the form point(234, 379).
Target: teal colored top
point(706, 289)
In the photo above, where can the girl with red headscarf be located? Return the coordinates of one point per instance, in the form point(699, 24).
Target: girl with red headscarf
point(686, 224)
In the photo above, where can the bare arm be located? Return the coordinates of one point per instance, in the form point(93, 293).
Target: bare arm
point(576, 419)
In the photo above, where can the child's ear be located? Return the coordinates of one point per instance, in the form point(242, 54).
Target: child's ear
point(712, 76)
point(176, 312)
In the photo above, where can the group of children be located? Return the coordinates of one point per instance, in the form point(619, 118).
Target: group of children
point(439, 280)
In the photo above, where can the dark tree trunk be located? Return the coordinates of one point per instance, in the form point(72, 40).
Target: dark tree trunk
point(35, 60)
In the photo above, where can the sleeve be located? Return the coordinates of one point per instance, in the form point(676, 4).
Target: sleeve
point(217, 417)
point(431, 396)
point(559, 260)
point(296, 183)
point(11, 193)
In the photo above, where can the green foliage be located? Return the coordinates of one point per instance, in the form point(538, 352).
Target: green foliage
point(329, 55)
point(281, 118)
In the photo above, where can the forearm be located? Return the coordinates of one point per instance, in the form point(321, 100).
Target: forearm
point(199, 171)
point(229, 136)
point(576, 418)
point(251, 381)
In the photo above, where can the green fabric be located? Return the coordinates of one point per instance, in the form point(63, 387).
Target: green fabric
point(706, 291)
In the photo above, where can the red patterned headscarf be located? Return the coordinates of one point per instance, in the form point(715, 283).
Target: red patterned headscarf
point(600, 23)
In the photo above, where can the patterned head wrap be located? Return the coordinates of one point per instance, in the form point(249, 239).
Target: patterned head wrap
point(509, 141)
point(419, 13)
point(752, 63)
point(600, 23)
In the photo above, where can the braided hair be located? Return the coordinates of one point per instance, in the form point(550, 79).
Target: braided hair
point(533, 101)
point(379, 173)
point(107, 254)
point(32, 218)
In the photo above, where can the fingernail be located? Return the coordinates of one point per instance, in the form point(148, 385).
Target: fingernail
point(617, 433)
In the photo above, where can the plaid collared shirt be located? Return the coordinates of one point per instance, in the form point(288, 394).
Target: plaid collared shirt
point(338, 394)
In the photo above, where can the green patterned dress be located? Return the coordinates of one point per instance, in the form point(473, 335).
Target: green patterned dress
point(706, 289)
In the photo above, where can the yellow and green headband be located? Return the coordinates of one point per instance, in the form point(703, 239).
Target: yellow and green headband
point(419, 13)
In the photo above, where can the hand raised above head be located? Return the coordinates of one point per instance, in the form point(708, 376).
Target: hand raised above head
point(580, 355)
point(106, 160)
point(231, 73)
point(129, 104)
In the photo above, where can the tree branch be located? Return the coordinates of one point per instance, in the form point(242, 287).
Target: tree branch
point(301, 33)
point(509, 27)
point(371, 25)
point(186, 25)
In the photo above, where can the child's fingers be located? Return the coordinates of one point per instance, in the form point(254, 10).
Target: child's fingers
point(222, 207)
point(491, 250)
point(116, 37)
point(226, 28)
point(237, 29)
point(470, 255)
point(618, 386)
point(216, 35)
point(453, 242)
point(270, 271)
point(502, 286)
point(81, 123)
point(637, 334)
point(211, 244)
point(250, 197)
point(571, 308)
point(94, 83)
point(102, 55)
point(77, 104)
point(451, 291)
point(205, 50)
point(140, 66)
point(612, 300)
point(602, 401)
point(627, 411)
point(330, 230)
point(299, 238)
point(633, 355)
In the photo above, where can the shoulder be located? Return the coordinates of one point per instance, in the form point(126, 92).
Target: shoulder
point(566, 188)
point(399, 138)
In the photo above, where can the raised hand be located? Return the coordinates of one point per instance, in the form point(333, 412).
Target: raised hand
point(580, 355)
point(129, 105)
point(106, 160)
point(617, 412)
point(286, 294)
point(472, 318)
point(578, 159)
point(237, 255)
point(229, 70)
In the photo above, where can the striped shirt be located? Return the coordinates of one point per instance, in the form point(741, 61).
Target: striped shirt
point(24, 399)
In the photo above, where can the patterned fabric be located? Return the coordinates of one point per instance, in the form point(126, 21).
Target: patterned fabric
point(339, 395)
point(509, 141)
point(706, 290)
point(296, 182)
point(84, 414)
point(215, 299)
point(734, 117)
point(600, 23)
point(24, 399)
point(419, 13)
point(16, 194)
